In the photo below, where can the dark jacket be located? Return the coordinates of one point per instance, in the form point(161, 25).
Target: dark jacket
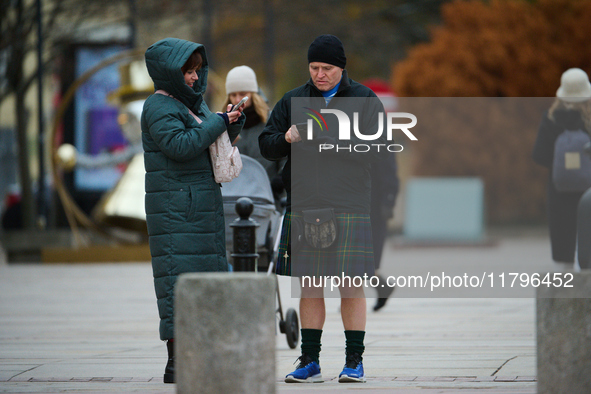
point(384, 190)
point(184, 210)
point(328, 180)
point(562, 207)
point(248, 144)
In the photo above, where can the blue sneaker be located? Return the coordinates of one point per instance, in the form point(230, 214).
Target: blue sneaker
point(307, 371)
point(353, 370)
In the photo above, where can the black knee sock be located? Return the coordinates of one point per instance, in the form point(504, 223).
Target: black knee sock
point(354, 342)
point(311, 342)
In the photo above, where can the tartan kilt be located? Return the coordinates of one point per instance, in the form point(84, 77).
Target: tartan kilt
point(352, 254)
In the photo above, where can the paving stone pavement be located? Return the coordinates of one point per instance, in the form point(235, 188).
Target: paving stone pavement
point(93, 328)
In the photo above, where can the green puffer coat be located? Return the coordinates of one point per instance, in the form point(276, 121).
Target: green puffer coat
point(184, 209)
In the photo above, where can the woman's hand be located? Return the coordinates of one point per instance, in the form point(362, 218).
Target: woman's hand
point(234, 115)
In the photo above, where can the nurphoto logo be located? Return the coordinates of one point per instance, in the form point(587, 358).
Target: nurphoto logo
point(345, 126)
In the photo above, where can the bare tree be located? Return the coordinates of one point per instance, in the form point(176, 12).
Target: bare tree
point(18, 27)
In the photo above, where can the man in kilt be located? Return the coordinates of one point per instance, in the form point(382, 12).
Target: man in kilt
point(336, 181)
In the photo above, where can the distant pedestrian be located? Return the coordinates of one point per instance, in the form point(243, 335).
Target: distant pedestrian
point(184, 209)
point(571, 112)
point(384, 190)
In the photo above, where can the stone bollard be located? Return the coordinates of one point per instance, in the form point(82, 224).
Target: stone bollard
point(564, 337)
point(244, 256)
point(584, 225)
point(225, 333)
point(584, 230)
point(3, 258)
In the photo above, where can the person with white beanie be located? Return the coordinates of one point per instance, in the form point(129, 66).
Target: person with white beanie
point(241, 82)
point(571, 111)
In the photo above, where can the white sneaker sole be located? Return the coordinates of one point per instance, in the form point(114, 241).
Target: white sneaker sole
point(311, 379)
point(349, 379)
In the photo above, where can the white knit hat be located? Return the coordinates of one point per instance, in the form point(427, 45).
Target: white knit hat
point(574, 86)
point(241, 79)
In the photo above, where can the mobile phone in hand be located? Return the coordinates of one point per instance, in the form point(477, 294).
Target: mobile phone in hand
point(240, 103)
point(302, 128)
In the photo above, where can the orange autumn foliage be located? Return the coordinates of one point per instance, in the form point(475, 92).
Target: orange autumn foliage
point(498, 48)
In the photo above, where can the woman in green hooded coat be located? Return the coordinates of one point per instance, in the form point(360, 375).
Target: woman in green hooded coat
point(184, 210)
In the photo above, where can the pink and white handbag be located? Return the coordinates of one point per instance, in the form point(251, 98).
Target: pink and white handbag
point(225, 158)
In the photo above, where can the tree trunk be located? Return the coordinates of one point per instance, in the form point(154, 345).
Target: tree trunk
point(27, 202)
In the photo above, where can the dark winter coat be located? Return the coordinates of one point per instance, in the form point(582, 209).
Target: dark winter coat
point(248, 144)
point(562, 207)
point(184, 210)
point(384, 190)
point(338, 181)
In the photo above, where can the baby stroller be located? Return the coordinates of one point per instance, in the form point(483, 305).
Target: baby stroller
point(253, 182)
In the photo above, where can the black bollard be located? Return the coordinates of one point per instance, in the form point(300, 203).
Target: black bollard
point(244, 232)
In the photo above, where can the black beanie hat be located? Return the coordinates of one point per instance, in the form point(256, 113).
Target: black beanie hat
point(327, 49)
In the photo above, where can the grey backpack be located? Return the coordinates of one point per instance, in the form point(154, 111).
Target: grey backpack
point(571, 170)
